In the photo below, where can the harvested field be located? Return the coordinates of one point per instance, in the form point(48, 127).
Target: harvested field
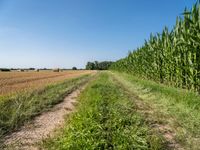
point(12, 82)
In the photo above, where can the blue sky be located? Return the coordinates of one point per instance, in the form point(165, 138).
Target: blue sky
point(66, 33)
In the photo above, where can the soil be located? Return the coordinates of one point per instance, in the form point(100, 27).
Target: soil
point(43, 126)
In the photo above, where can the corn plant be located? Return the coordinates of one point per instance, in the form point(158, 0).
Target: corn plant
point(171, 57)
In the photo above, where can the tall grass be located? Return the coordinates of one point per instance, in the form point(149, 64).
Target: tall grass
point(171, 57)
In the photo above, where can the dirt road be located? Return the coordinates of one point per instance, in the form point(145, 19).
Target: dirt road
point(42, 126)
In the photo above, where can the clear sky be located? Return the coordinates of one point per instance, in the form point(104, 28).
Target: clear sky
point(66, 33)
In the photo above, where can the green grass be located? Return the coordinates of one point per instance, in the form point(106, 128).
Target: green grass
point(105, 119)
point(176, 107)
point(17, 109)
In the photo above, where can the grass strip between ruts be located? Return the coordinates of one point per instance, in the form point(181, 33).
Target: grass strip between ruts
point(105, 119)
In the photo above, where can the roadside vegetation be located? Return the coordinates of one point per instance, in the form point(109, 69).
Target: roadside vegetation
point(174, 111)
point(105, 119)
point(16, 109)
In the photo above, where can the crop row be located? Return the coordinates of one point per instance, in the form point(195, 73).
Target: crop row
point(172, 57)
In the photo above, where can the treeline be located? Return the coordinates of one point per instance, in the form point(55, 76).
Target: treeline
point(104, 65)
point(172, 57)
point(5, 69)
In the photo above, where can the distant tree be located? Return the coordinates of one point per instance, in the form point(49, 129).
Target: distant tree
point(96, 64)
point(104, 65)
point(31, 68)
point(5, 70)
point(74, 68)
point(90, 66)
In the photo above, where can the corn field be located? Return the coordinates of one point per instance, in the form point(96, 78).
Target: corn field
point(172, 57)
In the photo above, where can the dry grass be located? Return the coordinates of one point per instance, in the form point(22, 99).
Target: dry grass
point(12, 82)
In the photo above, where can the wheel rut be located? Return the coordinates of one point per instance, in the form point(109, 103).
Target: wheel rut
point(42, 126)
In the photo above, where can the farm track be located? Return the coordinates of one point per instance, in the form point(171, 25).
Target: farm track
point(147, 111)
point(42, 126)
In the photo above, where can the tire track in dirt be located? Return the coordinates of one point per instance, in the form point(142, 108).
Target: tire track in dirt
point(43, 125)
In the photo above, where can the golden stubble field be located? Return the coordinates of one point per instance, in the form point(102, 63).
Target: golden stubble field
point(12, 82)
